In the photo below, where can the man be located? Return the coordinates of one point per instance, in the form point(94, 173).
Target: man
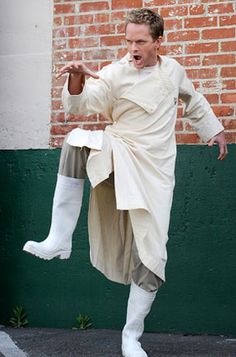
point(130, 165)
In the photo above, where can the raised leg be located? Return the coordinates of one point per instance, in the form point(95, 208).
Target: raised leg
point(66, 208)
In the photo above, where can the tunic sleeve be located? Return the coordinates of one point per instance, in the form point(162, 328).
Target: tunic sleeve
point(95, 98)
point(198, 110)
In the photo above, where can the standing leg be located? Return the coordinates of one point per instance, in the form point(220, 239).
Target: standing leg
point(66, 205)
point(143, 290)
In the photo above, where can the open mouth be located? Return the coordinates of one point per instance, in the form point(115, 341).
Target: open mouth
point(137, 57)
point(138, 61)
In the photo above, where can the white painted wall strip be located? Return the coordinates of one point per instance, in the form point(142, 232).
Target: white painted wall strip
point(25, 67)
point(8, 348)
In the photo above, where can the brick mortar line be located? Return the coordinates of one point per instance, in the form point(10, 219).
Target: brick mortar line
point(182, 28)
point(151, 6)
point(81, 1)
point(108, 1)
point(117, 22)
point(66, 27)
point(121, 22)
point(112, 47)
point(166, 43)
point(220, 51)
point(76, 122)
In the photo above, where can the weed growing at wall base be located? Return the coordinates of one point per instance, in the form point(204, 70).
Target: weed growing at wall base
point(83, 322)
point(20, 317)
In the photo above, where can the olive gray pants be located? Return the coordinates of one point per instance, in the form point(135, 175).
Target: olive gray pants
point(73, 164)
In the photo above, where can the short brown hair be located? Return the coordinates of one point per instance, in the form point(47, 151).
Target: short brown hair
point(148, 17)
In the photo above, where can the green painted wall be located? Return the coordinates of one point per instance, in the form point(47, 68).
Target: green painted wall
point(200, 293)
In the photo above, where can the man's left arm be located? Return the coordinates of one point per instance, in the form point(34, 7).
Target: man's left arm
point(202, 117)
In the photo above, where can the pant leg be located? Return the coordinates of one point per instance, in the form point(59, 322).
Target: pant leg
point(142, 276)
point(73, 161)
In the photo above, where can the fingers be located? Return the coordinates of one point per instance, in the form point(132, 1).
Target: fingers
point(92, 74)
point(60, 73)
point(71, 67)
point(76, 68)
point(221, 141)
point(211, 142)
point(223, 151)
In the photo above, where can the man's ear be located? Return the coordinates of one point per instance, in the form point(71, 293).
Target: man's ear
point(159, 41)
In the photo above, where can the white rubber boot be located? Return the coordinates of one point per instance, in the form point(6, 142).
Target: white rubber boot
point(67, 203)
point(139, 305)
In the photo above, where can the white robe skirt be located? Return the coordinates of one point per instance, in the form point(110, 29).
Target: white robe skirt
point(140, 148)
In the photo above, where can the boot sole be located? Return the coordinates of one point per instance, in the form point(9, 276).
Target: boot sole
point(60, 254)
point(136, 352)
point(141, 354)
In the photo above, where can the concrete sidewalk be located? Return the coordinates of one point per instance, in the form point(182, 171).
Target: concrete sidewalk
point(35, 342)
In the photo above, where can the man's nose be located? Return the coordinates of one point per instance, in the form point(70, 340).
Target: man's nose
point(134, 46)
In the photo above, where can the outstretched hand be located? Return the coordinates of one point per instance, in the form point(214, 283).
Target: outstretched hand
point(219, 139)
point(76, 68)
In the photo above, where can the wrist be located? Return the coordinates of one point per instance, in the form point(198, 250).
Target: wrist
point(76, 83)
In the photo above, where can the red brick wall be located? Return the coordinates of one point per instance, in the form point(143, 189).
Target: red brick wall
point(199, 34)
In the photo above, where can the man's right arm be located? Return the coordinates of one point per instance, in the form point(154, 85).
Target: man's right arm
point(85, 97)
point(77, 72)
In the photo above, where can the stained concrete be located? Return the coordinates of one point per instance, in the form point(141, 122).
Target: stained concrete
point(37, 342)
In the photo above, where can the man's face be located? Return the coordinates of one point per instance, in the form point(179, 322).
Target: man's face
point(141, 46)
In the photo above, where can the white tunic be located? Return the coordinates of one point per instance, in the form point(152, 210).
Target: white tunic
point(140, 147)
